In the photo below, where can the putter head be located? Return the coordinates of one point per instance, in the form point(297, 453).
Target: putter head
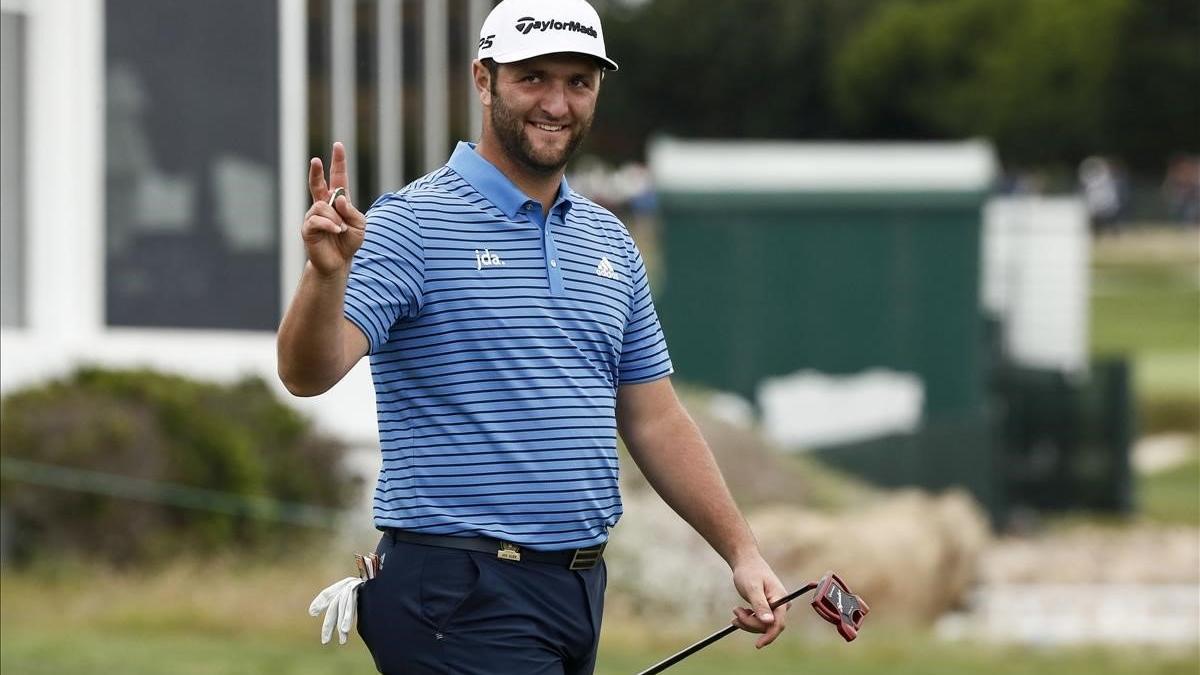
point(835, 603)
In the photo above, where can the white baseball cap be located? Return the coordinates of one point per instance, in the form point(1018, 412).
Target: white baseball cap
point(522, 29)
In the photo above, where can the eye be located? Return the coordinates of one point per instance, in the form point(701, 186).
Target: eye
point(532, 78)
point(581, 82)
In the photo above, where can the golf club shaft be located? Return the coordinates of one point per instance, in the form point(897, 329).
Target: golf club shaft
point(681, 655)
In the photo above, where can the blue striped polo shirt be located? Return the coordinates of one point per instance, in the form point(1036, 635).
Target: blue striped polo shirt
point(498, 338)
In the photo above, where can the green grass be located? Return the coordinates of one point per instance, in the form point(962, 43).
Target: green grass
point(236, 618)
point(1164, 375)
point(1146, 305)
point(45, 650)
point(191, 652)
point(897, 653)
point(1173, 495)
point(1153, 314)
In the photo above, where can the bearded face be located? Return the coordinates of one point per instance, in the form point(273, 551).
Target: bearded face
point(542, 108)
point(540, 146)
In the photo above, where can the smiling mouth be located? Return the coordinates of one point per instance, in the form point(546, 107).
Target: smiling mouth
point(548, 127)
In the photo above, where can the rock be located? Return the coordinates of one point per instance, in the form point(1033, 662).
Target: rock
point(910, 555)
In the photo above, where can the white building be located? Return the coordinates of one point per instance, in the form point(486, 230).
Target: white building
point(154, 163)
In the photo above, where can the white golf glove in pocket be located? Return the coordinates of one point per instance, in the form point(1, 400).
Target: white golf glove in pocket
point(339, 601)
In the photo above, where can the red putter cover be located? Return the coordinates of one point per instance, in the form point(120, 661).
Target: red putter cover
point(839, 606)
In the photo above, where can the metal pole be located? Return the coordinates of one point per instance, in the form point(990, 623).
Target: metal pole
point(435, 93)
point(342, 87)
point(293, 141)
point(390, 73)
point(477, 11)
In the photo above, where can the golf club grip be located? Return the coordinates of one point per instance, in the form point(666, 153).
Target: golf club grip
point(676, 658)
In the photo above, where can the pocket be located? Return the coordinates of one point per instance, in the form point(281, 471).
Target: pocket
point(363, 607)
point(448, 577)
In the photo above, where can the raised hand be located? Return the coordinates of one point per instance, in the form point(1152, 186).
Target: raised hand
point(331, 232)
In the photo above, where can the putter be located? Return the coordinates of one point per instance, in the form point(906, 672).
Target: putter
point(833, 602)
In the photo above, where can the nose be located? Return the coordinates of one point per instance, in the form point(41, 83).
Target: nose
point(554, 101)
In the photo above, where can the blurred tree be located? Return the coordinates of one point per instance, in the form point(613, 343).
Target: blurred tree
point(1152, 109)
point(751, 69)
point(902, 74)
point(1049, 81)
point(1030, 74)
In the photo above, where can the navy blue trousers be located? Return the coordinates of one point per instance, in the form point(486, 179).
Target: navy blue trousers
point(444, 610)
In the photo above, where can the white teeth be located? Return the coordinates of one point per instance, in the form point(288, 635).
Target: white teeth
point(547, 127)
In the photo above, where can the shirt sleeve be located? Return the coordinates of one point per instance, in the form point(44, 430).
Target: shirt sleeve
point(387, 276)
point(644, 356)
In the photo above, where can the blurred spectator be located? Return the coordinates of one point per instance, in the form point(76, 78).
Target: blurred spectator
point(1022, 182)
point(1104, 193)
point(626, 188)
point(1181, 189)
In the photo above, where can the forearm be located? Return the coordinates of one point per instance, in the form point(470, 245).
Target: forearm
point(679, 465)
point(312, 356)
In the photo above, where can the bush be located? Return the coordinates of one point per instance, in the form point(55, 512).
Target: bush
point(165, 432)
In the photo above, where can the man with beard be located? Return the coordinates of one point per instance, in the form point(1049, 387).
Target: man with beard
point(512, 335)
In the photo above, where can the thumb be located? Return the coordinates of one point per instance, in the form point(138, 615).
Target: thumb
point(350, 215)
point(758, 601)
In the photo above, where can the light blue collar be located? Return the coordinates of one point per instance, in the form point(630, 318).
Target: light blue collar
point(493, 184)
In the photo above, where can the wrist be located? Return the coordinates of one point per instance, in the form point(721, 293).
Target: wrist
point(743, 554)
point(336, 277)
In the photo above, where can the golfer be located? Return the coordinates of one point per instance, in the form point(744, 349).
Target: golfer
point(511, 336)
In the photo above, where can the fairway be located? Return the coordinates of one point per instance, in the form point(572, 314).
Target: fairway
point(1146, 305)
point(246, 618)
point(178, 649)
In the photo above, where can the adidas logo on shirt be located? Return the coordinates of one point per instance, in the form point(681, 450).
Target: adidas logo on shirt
point(486, 259)
point(605, 269)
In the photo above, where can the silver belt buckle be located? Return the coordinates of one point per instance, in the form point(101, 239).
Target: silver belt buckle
point(586, 558)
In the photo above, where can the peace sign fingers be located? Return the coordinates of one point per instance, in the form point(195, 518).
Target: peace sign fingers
point(339, 175)
point(333, 229)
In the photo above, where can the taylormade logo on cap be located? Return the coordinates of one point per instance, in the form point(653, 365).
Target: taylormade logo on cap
point(528, 23)
point(523, 29)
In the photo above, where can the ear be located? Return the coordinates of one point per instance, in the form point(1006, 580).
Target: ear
point(483, 82)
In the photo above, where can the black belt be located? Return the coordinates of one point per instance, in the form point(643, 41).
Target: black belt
point(574, 559)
